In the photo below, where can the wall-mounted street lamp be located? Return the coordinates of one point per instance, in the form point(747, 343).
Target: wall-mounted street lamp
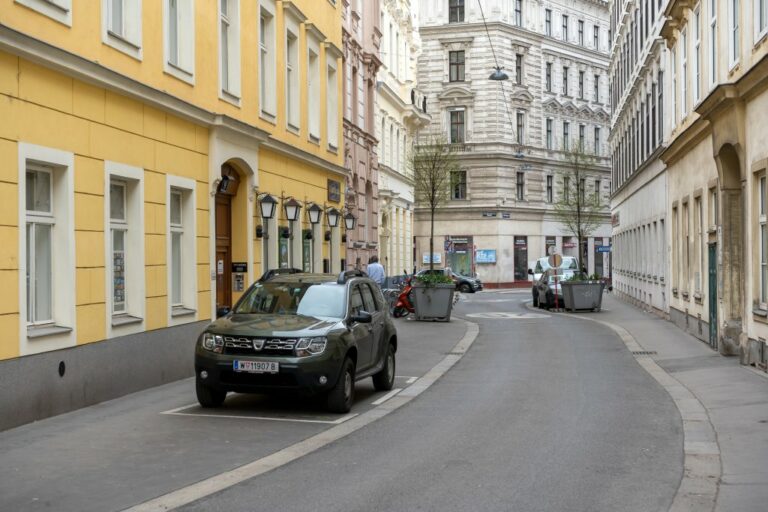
point(349, 221)
point(292, 208)
point(498, 75)
point(314, 212)
point(332, 214)
point(268, 205)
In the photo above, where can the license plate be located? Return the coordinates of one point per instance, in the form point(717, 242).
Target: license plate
point(256, 366)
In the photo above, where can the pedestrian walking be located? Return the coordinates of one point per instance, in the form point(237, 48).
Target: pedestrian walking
point(376, 271)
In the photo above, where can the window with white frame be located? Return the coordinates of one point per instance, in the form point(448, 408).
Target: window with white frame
point(566, 135)
point(696, 55)
point(684, 74)
point(596, 37)
point(332, 115)
point(565, 28)
point(46, 246)
point(763, 239)
point(458, 184)
point(182, 258)
point(180, 38)
point(548, 75)
point(455, 11)
point(597, 140)
point(565, 80)
point(550, 179)
point(59, 10)
point(761, 18)
point(118, 226)
point(229, 57)
point(581, 32)
point(673, 56)
point(267, 60)
point(121, 25)
point(519, 13)
point(39, 246)
point(712, 42)
point(582, 137)
point(292, 112)
point(733, 39)
point(457, 125)
point(313, 89)
point(548, 22)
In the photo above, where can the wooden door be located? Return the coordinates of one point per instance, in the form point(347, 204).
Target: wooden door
point(223, 251)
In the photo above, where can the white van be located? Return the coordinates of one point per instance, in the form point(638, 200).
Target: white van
point(542, 264)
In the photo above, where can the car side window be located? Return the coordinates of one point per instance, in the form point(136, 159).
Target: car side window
point(538, 267)
point(368, 300)
point(356, 301)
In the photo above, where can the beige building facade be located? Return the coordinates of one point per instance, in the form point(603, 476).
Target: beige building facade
point(400, 115)
point(716, 160)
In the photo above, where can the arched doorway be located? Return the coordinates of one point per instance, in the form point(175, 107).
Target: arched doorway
point(730, 268)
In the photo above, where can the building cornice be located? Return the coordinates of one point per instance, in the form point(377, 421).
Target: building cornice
point(688, 138)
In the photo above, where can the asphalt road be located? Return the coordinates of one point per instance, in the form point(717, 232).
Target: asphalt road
point(542, 414)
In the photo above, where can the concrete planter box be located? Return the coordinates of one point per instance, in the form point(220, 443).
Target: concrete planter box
point(580, 295)
point(434, 302)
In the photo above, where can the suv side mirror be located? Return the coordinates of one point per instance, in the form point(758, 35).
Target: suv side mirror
point(362, 317)
point(222, 311)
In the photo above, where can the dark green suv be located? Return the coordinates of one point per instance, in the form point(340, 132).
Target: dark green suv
point(315, 334)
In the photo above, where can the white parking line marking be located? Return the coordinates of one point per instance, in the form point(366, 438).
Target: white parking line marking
point(387, 396)
point(263, 418)
point(411, 380)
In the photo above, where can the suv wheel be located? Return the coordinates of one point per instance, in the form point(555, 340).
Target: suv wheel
point(207, 396)
point(385, 379)
point(343, 393)
point(535, 300)
point(465, 288)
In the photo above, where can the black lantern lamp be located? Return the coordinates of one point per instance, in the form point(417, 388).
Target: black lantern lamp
point(349, 221)
point(314, 213)
point(268, 205)
point(292, 208)
point(333, 217)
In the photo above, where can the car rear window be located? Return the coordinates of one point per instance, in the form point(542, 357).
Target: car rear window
point(308, 299)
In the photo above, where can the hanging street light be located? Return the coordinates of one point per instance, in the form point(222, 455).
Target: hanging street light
point(498, 75)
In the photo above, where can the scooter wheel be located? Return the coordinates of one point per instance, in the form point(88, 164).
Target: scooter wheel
point(399, 312)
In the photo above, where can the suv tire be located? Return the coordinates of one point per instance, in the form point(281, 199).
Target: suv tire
point(536, 300)
point(465, 288)
point(207, 396)
point(341, 396)
point(385, 379)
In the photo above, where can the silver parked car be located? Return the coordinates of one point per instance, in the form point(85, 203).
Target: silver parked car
point(548, 291)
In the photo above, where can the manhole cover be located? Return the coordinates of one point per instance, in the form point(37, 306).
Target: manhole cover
point(644, 352)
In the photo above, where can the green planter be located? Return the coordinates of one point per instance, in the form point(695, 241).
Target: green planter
point(582, 295)
point(434, 302)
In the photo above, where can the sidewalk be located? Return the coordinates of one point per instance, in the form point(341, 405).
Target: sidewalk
point(735, 398)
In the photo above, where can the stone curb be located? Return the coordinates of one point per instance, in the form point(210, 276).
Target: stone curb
point(702, 467)
point(223, 481)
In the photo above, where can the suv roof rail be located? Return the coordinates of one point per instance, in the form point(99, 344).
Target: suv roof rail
point(269, 274)
point(346, 274)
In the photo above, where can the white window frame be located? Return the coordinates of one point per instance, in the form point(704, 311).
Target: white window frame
point(131, 320)
point(464, 125)
point(184, 67)
point(697, 54)
point(41, 218)
point(684, 74)
point(267, 60)
point(293, 79)
point(186, 310)
point(313, 88)
point(332, 102)
point(128, 38)
point(229, 64)
point(734, 42)
point(762, 230)
point(58, 10)
point(712, 42)
point(61, 332)
point(761, 17)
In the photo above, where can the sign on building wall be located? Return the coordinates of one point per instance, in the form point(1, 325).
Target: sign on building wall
point(436, 258)
point(485, 256)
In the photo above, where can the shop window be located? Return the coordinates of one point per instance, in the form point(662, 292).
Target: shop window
point(521, 258)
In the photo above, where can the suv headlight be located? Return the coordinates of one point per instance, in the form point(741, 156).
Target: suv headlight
point(213, 342)
point(310, 346)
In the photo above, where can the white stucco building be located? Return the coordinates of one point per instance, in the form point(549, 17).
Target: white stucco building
point(639, 194)
point(400, 114)
point(513, 136)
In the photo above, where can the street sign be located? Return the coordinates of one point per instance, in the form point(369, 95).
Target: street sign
point(603, 248)
point(555, 260)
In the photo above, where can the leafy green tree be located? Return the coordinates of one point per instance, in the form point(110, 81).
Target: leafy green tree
point(432, 164)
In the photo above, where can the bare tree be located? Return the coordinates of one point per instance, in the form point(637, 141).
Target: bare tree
point(580, 212)
point(432, 164)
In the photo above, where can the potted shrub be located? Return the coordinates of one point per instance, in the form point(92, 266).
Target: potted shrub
point(433, 297)
point(582, 292)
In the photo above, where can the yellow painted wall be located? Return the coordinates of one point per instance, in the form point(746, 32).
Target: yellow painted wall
point(83, 38)
point(42, 107)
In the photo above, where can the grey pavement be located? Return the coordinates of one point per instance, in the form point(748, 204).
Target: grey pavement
point(123, 452)
point(735, 398)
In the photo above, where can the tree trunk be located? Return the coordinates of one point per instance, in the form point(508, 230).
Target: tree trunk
point(432, 241)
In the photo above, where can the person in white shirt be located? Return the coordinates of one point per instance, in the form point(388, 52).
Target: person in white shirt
point(376, 271)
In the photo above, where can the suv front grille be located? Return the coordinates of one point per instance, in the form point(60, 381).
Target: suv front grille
point(250, 345)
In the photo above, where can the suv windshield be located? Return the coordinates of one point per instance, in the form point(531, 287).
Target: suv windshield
point(307, 299)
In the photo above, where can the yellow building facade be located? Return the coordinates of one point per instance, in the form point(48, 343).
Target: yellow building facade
point(138, 141)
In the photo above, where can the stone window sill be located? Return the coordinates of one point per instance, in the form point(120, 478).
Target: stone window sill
point(182, 311)
point(760, 312)
point(46, 330)
point(118, 320)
